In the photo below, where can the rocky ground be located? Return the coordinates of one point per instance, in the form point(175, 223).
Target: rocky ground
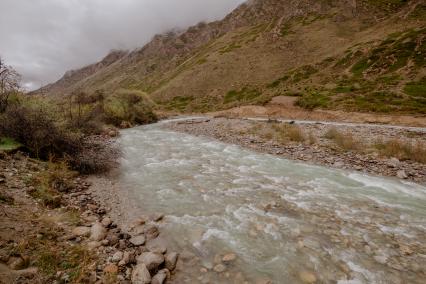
point(316, 148)
point(68, 236)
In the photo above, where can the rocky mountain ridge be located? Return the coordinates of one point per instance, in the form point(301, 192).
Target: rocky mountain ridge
point(249, 49)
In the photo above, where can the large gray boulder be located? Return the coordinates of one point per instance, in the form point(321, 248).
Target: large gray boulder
point(151, 260)
point(159, 278)
point(81, 231)
point(171, 259)
point(140, 274)
point(97, 232)
point(138, 240)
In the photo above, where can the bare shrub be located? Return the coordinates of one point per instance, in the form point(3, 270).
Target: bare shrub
point(9, 84)
point(96, 156)
point(35, 128)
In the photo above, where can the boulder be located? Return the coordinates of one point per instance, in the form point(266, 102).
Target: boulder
point(106, 222)
point(159, 278)
point(93, 245)
point(158, 245)
point(16, 263)
point(402, 174)
point(81, 231)
point(307, 277)
point(219, 268)
point(140, 274)
point(170, 260)
point(156, 217)
point(229, 257)
point(381, 259)
point(111, 269)
point(128, 257)
point(393, 162)
point(122, 245)
point(116, 257)
point(97, 232)
point(112, 239)
point(151, 231)
point(138, 240)
point(151, 260)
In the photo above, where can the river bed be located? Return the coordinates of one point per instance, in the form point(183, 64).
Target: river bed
point(286, 222)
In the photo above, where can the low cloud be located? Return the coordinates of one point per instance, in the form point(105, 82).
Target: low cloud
point(43, 39)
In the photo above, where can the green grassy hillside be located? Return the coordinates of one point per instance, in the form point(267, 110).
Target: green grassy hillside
point(364, 56)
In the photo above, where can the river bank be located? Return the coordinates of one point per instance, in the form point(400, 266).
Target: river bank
point(375, 150)
point(56, 229)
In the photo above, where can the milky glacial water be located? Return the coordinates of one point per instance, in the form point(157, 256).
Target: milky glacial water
point(287, 222)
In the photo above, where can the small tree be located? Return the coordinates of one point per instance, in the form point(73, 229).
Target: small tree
point(9, 84)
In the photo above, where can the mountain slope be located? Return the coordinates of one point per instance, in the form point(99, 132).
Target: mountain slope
point(356, 54)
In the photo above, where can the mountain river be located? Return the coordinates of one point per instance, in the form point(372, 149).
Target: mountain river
point(275, 220)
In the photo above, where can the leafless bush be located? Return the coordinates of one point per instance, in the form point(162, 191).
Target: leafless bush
point(9, 84)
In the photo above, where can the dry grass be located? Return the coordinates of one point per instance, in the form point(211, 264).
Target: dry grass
point(346, 141)
point(49, 184)
point(51, 255)
point(285, 133)
point(282, 133)
point(312, 139)
point(402, 150)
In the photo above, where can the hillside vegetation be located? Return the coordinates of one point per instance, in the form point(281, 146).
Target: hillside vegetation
point(362, 55)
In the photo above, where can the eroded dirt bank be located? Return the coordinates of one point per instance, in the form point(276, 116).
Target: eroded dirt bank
point(378, 151)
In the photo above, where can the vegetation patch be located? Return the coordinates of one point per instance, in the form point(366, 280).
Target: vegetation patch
point(278, 82)
point(179, 103)
point(304, 73)
point(285, 30)
point(8, 144)
point(132, 107)
point(282, 133)
point(416, 88)
point(48, 185)
point(419, 12)
point(344, 140)
point(402, 150)
point(244, 95)
point(230, 48)
point(393, 54)
point(314, 100)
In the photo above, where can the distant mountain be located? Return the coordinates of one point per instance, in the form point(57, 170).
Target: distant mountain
point(358, 55)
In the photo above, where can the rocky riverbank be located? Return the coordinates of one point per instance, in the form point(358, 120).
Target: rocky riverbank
point(66, 234)
point(373, 150)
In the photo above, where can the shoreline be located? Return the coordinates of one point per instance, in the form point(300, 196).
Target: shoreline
point(252, 135)
point(87, 217)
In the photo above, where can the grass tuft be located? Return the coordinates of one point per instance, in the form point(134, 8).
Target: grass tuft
point(402, 150)
point(344, 140)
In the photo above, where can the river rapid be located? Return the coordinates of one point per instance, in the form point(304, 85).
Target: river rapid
point(282, 221)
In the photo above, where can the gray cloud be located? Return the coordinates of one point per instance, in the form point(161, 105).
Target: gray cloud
point(44, 38)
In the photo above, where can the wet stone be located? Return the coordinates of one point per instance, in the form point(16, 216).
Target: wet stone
point(138, 240)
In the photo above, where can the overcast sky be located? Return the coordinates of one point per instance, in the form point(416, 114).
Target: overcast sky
point(44, 38)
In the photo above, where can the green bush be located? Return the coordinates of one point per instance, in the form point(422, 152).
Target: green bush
point(313, 101)
point(244, 95)
point(128, 107)
point(416, 89)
